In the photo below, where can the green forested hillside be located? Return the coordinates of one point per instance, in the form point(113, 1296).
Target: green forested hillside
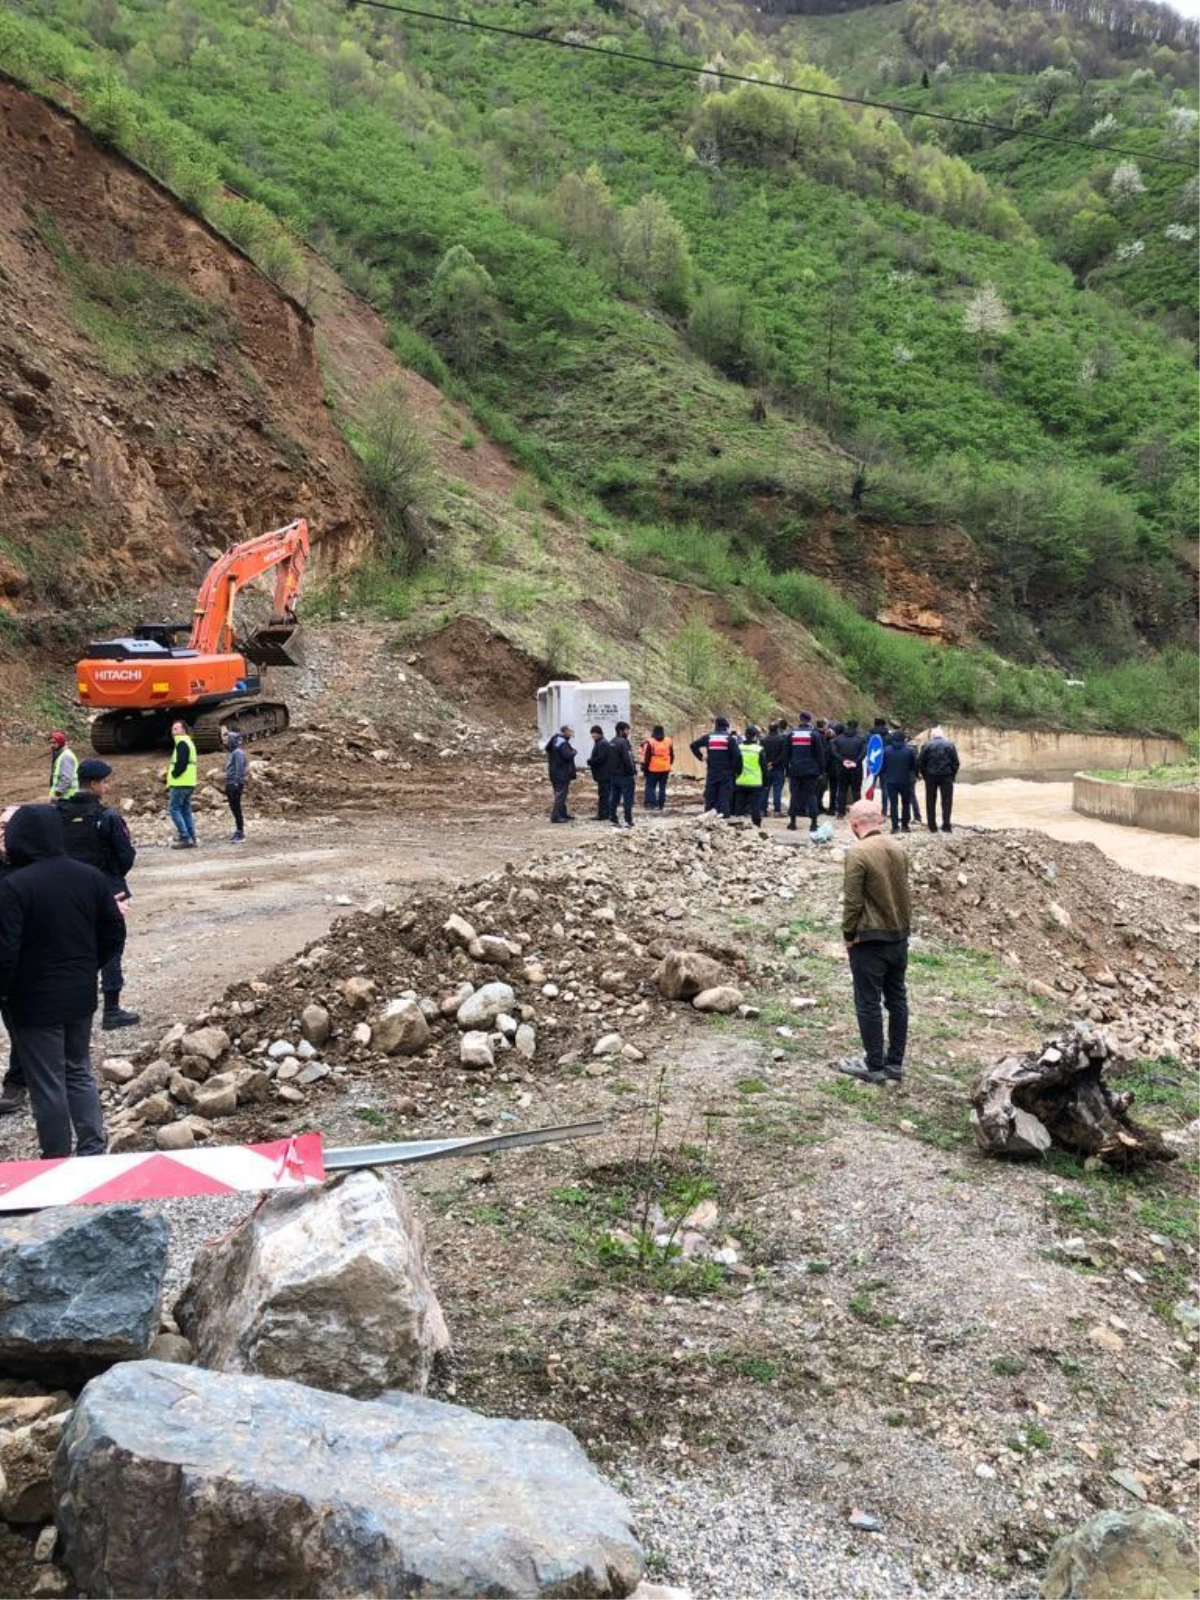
point(612, 263)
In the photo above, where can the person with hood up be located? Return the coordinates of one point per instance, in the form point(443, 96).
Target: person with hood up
point(938, 765)
point(722, 757)
point(561, 770)
point(95, 834)
point(59, 925)
point(750, 789)
point(237, 766)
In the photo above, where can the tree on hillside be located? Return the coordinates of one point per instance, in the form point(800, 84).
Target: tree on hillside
point(723, 328)
point(396, 467)
point(654, 252)
point(463, 308)
point(587, 214)
point(1127, 182)
point(986, 317)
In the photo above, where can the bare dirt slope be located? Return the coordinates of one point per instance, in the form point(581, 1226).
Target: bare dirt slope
point(159, 396)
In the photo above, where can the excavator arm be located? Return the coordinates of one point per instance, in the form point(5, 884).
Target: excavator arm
point(212, 620)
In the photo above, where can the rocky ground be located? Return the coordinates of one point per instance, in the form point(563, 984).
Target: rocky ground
point(769, 1297)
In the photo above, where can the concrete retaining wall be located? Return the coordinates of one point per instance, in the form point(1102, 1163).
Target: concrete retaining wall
point(1162, 810)
point(988, 753)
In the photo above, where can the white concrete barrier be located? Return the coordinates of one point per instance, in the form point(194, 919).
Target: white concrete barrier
point(1160, 810)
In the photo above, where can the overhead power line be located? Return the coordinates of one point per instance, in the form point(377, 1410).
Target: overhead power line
point(694, 70)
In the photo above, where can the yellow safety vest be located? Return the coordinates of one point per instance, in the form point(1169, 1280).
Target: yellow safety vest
point(55, 770)
point(187, 778)
point(750, 777)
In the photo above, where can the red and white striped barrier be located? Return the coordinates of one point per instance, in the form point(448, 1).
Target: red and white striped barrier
point(237, 1168)
point(161, 1175)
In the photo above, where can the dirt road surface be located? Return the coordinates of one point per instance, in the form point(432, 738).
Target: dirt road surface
point(1046, 807)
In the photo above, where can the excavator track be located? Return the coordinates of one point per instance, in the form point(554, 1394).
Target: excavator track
point(253, 719)
point(119, 733)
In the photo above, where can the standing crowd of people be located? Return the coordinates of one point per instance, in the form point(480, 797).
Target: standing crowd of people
point(819, 761)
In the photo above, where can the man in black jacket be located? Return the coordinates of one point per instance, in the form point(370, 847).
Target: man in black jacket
point(848, 748)
point(775, 753)
point(560, 762)
point(59, 925)
point(899, 774)
point(97, 835)
point(600, 765)
point(722, 757)
point(938, 765)
point(623, 777)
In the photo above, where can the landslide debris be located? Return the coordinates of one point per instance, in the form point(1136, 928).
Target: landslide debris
point(554, 964)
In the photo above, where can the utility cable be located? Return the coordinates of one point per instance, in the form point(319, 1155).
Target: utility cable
point(693, 70)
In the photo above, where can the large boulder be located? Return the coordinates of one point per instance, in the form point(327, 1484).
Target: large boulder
point(80, 1288)
point(480, 1010)
point(326, 1286)
point(1139, 1555)
point(684, 974)
point(172, 1482)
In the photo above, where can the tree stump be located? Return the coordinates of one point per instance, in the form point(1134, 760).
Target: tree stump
point(1058, 1096)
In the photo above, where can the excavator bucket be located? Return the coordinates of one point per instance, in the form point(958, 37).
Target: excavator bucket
point(280, 644)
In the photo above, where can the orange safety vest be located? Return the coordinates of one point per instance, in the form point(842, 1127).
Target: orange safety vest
point(659, 754)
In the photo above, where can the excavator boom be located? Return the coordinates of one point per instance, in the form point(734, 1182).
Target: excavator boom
point(212, 621)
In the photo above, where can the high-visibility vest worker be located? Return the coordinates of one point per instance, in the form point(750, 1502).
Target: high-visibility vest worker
point(658, 755)
point(181, 774)
point(64, 769)
point(751, 775)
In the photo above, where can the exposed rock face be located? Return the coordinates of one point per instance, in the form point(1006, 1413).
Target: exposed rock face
point(177, 1481)
point(1138, 1555)
point(326, 1286)
point(684, 974)
point(80, 1288)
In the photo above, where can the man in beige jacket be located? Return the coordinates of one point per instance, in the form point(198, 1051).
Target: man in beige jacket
point(876, 916)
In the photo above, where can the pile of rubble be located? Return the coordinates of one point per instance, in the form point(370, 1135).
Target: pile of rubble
point(327, 767)
point(1109, 946)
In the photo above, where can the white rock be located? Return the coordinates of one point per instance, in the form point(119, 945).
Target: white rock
point(475, 1050)
point(610, 1044)
point(481, 1009)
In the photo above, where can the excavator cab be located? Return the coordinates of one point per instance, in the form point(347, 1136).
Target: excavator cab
point(279, 644)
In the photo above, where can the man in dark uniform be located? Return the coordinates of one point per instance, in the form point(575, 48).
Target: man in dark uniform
point(775, 753)
point(806, 762)
point(848, 747)
point(600, 766)
point(722, 757)
point(97, 835)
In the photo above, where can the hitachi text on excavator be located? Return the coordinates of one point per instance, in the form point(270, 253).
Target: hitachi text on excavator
point(144, 683)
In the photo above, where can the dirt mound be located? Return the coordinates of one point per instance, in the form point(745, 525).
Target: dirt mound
point(159, 396)
point(1119, 948)
point(481, 668)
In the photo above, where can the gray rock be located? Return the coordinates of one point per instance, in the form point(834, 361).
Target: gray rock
point(480, 1010)
point(80, 1288)
point(686, 973)
point(1139, 1555)
point(326, 1286)
point(526, 1041)
point(315, 1024)
point(173, 1481)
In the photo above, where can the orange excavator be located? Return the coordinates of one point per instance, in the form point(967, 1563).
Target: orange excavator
point(144, 683)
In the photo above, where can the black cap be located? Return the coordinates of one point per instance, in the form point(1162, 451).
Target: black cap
point(92, 770)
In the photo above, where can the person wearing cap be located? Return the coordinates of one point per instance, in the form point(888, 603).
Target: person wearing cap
point(64, 769)
point(806, 762)
point(98, 836)
point(722, 757)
